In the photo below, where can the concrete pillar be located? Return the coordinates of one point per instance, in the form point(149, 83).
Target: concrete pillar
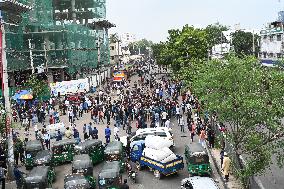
point(49, 76)
point(61, 74)
point(12, 82)
point(73, 11)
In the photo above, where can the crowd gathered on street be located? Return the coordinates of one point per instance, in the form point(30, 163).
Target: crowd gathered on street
point(151, 102)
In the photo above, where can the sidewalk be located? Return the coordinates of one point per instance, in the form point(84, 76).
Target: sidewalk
point(233, 182)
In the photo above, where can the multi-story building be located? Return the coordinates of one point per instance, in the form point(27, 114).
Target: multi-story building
point(69, 39)
point(127, 38)
point(271, 43)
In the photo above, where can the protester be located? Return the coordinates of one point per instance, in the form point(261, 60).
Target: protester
point(226, 166)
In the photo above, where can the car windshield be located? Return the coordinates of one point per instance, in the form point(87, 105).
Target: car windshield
point(76, 182)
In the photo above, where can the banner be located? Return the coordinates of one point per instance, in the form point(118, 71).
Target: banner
point(70, 87)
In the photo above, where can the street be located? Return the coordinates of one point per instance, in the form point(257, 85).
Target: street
point(146, 178)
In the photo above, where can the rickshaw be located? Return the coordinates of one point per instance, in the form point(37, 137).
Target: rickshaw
point(94, 148)
point(79, 181)
point(82, 164)
point(39, 177)
point(63, 151)
point(43, 157)
point(110, 176)
point(197, 160)
point(114, 152)
point(32, 148)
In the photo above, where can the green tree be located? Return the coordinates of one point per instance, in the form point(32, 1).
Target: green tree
point(37, 86)
point(249, 99)
point(143, 45)
point(215, 34)
point(182, 46)
point(243, 43)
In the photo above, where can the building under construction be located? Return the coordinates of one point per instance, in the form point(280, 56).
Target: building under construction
point(62, 39)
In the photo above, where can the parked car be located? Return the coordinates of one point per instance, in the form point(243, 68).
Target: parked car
point(198, 183)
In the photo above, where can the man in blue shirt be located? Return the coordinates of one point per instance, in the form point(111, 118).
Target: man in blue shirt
point(107, 134)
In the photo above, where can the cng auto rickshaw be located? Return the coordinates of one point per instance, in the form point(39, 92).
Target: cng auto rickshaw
point(114, 152)
point(110, 176)
point(94, 148)
point(75, 181)
point(63, 151)
point(197, 160)
point(40, 177)
point(82, 164)
point(32, 148)
point(43, 157)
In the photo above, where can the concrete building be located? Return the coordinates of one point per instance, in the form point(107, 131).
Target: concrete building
point(271, 43)
point(115, 53)
point(127, 38)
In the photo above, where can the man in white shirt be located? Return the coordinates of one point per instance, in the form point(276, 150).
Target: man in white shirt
point(167, 123)
point(164, 118)
point(116, 133)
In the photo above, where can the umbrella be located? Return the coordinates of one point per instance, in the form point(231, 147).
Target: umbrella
point(23, 95)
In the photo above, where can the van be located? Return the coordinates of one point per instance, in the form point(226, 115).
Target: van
point(198, 183)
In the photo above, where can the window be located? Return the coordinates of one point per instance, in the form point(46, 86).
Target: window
point(161, 134)
point(112, 47)
point(265, 37)
point(279, 55)
point(278, 37)
point(270, 55)
point(112, 57)
point(271, 37)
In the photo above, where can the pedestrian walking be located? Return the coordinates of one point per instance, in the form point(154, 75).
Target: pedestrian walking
point(68, 133)
point(226, 166)
point(58, 136)
point(192, 132)
point(116, 133)
point(95, 133)
point(202, 137)
point(46, 138)
point(3, 172)
point(181, 124)
point(107, 134)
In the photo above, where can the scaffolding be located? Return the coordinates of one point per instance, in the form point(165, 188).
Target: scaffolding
point(61, 36)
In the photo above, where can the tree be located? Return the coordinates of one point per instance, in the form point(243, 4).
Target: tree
point(243, 43)
point(249, 99)
point(215, 34)
point(182, 46)
point(142, 45)
point(37, 86)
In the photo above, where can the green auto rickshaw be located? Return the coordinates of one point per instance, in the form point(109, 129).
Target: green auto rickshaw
point(43, 157)
point(82, 164)
point(197, 160)
point(31, 149)
point(115, 152)
point(110, 176)
point(39, 177)
point(63, 151)
point(94, 148)
point(75, 181)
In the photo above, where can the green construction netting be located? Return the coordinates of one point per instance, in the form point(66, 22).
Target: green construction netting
point(71, 46)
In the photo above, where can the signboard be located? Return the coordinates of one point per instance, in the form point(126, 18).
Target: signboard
point(118, 76)
point(70, 87)
point(271, 31)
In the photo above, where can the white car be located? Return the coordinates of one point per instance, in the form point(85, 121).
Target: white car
point(141, 134)
point(198, 183)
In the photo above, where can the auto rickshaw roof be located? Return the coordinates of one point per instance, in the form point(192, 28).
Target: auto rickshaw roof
point(196, 148)
point(33, 145)
point(44, 155)
point(114, 147)
point(37, 174)
point(81, 161)
point(64, 142)
point(88, 144)
point(110, 169)
point(75, 181)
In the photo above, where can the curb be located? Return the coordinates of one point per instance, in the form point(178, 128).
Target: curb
point(217, 168)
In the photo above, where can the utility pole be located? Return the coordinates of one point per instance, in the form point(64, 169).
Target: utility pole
point(5, 89)
point(31, 56)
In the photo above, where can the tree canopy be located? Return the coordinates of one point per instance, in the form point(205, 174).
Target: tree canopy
point(143, 45)
point(243, 43)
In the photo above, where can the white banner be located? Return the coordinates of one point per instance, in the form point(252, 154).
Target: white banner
point(70, 87)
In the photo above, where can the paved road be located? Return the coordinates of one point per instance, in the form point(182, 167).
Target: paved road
point(146, 179)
